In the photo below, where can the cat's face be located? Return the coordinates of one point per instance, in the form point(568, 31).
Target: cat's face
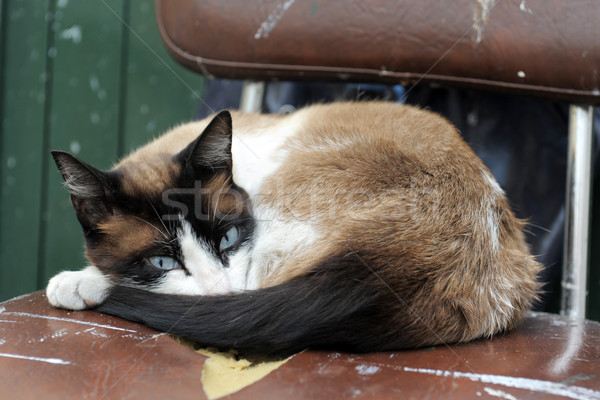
point(171, 223)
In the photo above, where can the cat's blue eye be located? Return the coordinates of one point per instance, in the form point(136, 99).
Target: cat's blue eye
point(229, 239)
point(164, 263)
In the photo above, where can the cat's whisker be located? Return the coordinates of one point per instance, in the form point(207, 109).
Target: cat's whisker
point(216, 209)
point(228, 214)
point(152, 225)
point(159, 217)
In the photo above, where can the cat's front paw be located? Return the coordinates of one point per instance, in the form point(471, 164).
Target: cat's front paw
point(77, 290)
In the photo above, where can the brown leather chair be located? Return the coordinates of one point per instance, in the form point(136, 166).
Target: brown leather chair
point(46, 353)
point(547, 48)
point(534, 47)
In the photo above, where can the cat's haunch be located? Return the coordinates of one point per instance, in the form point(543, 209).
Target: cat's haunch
point(352, 226)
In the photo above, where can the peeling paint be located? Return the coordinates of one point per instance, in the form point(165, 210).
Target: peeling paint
point(73, 33)
point(364, 369)
point(499, 393)
point(481, 15)
point(59, 334)
point(534, 385)
point(523, 7)
point(75, 147)
point(76, 321)
point(272, 20)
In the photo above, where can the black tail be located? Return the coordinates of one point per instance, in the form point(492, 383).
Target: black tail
point(339, 305)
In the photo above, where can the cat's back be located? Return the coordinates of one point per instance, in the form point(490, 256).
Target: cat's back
point(398, 186)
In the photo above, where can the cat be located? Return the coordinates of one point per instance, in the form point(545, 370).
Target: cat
point(349, 226)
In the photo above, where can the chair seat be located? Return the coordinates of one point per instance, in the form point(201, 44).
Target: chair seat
point(51, 353)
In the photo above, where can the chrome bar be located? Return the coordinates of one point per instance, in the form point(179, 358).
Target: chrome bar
point(252, 96)
point(577, 215)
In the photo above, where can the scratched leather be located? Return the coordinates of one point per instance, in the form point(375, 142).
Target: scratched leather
point(48, 353)
point(543, 47)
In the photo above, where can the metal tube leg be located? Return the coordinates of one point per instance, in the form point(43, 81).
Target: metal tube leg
point(252, 96)
point(577, 216)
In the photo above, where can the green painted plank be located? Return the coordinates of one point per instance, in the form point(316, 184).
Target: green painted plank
point(85, 113)
point(21, 142)
point(160, 92)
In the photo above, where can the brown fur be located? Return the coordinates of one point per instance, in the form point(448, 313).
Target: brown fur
point(124, 238)
point(417, 206)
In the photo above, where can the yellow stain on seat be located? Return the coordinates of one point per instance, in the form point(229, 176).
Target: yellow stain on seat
point(224, 373)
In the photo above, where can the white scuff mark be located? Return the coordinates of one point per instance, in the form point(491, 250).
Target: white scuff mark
point(481, 15)
point(364, 369)
point(76, 321)
point(2, 309)
point(574, 344)
point(75, 147)
point(73, 33)
point(94, 83)
point(41, 359)
point(523, 7)
point(59, 334)
point(8, 320)
point(534, 385)
point(136, 337)
point(11, 162)
point(92, 331)
point(99, 334)
point(95, 118)
point(154, 337)
point(499, 393)
point(272, 20)
point(2, 341)
point(521, 74)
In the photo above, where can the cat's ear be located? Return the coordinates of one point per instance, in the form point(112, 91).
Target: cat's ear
point(212, 149)
point(88, 187)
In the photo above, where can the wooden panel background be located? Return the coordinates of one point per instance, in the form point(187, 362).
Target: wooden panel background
point(90, 77)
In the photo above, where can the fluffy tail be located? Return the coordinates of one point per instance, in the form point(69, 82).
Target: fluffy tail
point(339, 305)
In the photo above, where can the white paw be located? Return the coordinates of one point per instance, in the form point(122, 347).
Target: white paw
point(77, 290)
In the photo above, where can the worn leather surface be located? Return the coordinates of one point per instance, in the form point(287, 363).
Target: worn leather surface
point(544, 47)
point(46, 353)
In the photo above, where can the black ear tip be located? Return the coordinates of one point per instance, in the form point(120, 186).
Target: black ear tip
point(224, 116)
point(60, 157)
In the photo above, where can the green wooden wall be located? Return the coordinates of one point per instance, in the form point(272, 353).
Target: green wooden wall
point(88, 76)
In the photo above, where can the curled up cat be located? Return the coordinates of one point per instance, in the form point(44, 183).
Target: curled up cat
point(349, 226)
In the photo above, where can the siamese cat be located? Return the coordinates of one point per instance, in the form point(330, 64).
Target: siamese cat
point(350, 226)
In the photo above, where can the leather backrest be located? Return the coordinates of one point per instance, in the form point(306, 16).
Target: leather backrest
point(543, 47)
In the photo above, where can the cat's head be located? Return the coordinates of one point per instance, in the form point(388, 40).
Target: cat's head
point(164, 220)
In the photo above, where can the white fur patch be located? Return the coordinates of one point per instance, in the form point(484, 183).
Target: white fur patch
point(77, 290)
point(207, 276)
point(492, 182)
point(277, 242)
point(258, 154)
point(488, 207)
